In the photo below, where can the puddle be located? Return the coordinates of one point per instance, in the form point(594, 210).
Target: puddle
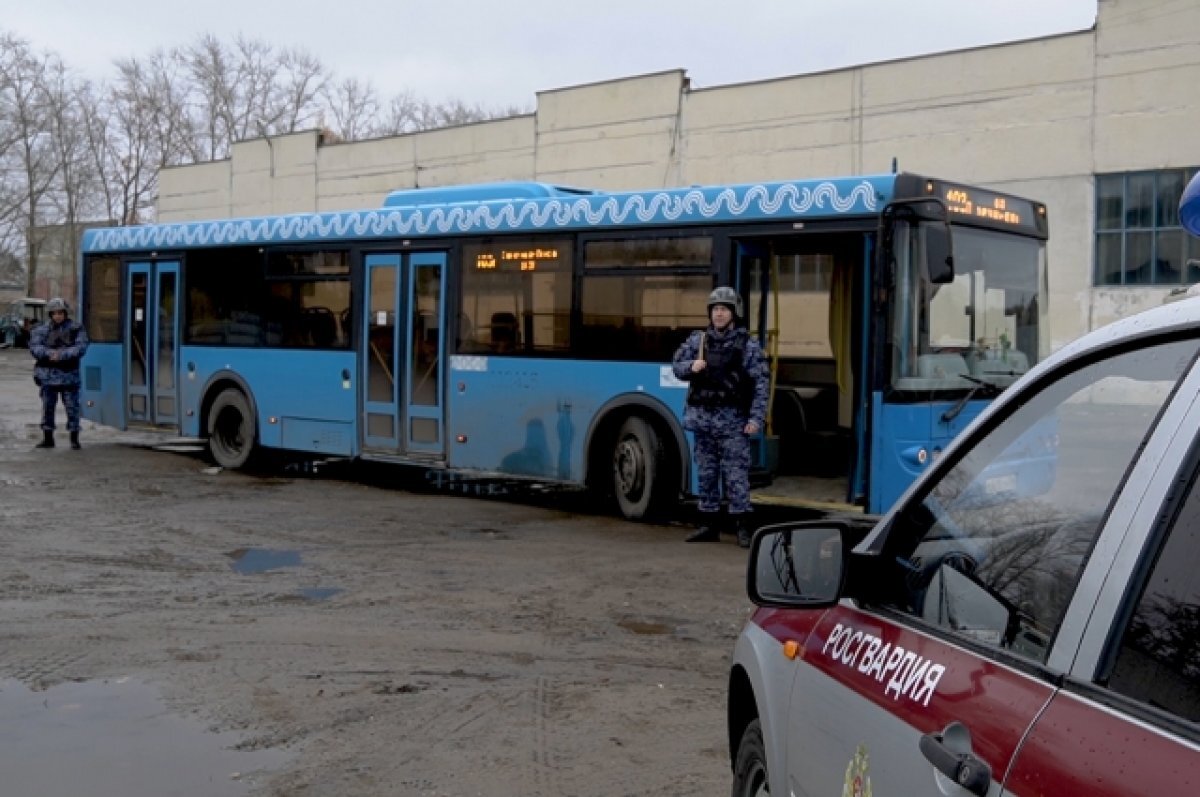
point(261, 560)
point(320, 593)
point(639, 627)
point(117, 739)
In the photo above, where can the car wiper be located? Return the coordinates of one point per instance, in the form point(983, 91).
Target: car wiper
point(988, 389)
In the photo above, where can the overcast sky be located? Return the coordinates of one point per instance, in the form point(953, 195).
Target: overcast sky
point(502, 53)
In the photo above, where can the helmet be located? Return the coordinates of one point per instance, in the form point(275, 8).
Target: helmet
point(56, 304)
point(727, 296)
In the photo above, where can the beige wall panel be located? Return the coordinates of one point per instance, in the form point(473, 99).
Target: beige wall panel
point(774, 103)
point(780, 165)
point(193, 193)
point(360, 175)
point(633, 151)
point(780, 129)
point(968, 76)
point(601, 104)
point(274, 175)
point(1144, 24)
point(1141, 117)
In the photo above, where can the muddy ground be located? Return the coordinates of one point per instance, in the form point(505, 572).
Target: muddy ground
point(409, 642)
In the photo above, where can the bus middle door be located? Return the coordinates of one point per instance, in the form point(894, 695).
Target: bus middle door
point(403, 366)
point(152, 352)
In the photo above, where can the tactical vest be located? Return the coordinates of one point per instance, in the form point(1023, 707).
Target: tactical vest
point(724, 382)
point(61, 338)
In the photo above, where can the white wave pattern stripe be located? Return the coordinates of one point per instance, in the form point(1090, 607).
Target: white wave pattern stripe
point(662, 207)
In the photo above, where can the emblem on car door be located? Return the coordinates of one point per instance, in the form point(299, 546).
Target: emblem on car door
point(858, 777)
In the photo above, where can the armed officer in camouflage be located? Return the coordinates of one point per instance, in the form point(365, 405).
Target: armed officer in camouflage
point(58, 346)
point(726, 405)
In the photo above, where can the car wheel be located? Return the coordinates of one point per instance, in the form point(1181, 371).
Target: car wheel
point(231, 429)
point(750, 767)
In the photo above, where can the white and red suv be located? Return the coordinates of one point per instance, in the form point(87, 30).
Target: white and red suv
point(1025, 620)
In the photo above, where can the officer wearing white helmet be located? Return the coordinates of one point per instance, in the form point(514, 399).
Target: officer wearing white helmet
point(726, 405)
point(58, 345)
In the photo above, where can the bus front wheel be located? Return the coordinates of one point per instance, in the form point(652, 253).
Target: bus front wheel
point(636, 468)
point(231, 429)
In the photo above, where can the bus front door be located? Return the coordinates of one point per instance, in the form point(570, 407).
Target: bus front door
point(403, 366)
point(152, 353)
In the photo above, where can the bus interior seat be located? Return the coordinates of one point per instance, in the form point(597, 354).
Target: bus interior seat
point(322, 326)
point(504, 332)
point(941, 366)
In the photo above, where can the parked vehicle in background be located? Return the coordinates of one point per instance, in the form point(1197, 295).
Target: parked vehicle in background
point(19, 318)
point(992, 635)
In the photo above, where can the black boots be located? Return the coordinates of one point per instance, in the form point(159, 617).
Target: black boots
point(48, 440)
point(742, 529)
point(710, 532)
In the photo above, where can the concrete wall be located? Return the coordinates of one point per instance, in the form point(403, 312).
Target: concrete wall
point(1039, 118)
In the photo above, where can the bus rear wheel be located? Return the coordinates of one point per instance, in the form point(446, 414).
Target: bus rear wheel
point(637, 469)
point(231, 429)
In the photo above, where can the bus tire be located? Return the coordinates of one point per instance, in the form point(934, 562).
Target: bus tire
point(231, 429)
point(750, 765)
point(637, 468)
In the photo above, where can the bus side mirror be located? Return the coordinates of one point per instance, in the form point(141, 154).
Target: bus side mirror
point(930, 217)
point(940, 254)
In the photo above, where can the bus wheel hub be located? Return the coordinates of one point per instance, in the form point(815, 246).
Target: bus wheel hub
point(630, 467)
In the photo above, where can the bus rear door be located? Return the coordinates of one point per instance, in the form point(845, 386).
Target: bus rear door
point(152, 354)
point(403, 366)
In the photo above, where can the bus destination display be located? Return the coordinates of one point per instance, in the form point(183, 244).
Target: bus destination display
point(514, 259)
point(994, 210)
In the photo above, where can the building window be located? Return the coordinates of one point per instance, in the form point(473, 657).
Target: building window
point(1138, 237)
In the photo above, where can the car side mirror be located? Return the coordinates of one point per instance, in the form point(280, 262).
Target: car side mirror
point(798, 565)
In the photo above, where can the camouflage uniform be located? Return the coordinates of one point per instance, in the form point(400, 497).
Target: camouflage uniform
point(58, 377)
point(722, 446)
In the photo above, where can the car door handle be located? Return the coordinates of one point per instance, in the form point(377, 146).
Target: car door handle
point(950, 753)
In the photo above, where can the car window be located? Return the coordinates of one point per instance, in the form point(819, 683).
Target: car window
point(993, 550)
point(1158, 661)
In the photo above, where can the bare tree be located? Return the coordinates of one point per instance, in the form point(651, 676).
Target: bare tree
point(302, 79)
point(30, 159)
point(407, 113)
point(65, 95)
point(352, 104)
point(141, 126)
point(72, 151)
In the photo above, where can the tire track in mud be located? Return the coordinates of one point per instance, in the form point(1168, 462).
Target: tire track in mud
point(42, 670)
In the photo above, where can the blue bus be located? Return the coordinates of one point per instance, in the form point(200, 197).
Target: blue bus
point(525, 330)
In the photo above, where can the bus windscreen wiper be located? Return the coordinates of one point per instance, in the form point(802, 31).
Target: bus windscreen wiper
point(982, 386)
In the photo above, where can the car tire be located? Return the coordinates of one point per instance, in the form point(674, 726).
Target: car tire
point(232, 431)
point(750, 767)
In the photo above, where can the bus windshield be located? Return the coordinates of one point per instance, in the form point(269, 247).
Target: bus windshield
point(984, 327)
